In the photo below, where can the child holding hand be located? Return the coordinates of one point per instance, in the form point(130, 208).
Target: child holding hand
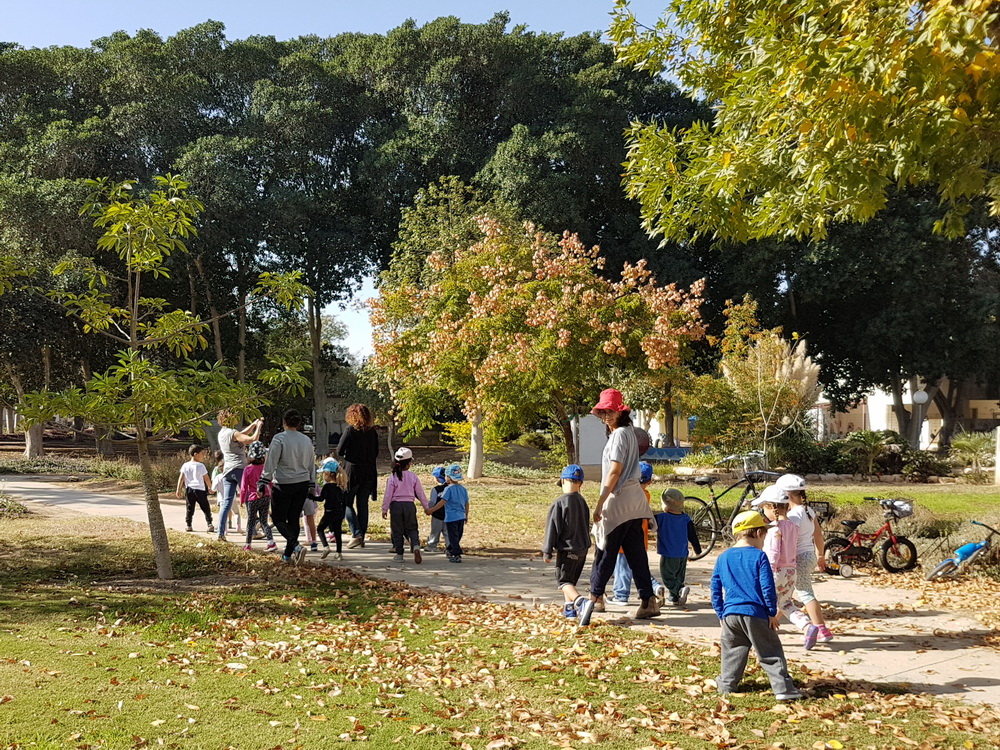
point(674, 532)
point(402, 489)
point(257, 500)
point(334, 497)
point(567, 533)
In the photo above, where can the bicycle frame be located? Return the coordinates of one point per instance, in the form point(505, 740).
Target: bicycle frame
point(860, 539)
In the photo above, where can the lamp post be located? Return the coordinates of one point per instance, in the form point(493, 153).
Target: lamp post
point(920, 398)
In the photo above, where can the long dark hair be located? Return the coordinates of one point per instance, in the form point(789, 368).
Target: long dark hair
point(624, 420)
point(398, 467)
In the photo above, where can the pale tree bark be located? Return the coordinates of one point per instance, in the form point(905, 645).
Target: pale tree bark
point(911, 422)
point(476, 456)
point(157, 528)
point(212, 309)
point(321, 425)
point(33, 435)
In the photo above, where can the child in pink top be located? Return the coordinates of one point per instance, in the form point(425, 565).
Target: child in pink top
point(401, 490)
point(780, 546)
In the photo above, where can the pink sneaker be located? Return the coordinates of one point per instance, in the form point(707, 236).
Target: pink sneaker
point(809, 638)
point(824, 636)
point(247, 547)
point(271, 547)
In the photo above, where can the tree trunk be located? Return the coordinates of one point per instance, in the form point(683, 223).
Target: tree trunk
point(212, 310)
point(390, 434)
point(950, 404)
point(193, 289)
point(315, 317)
point(157, 528)
point(476, 456)
point(103, 445)
point(33, 447)
point(668, 417)
point(241, 357)
point(903, 417)
point(78, 424)
point(567, 428)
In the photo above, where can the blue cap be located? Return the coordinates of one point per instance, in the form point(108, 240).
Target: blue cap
point(573, 471)
point(330, 465)
point(645, 472)
point(438, 473)
point(454, 473)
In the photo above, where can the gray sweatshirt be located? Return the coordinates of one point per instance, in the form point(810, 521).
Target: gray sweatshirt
point(290, 459)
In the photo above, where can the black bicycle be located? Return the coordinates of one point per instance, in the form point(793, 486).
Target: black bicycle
point(707, 517)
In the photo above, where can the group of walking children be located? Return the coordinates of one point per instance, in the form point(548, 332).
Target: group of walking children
point(754, 583)
point(448, 507)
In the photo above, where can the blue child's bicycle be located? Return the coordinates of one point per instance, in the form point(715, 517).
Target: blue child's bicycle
point(964, 556)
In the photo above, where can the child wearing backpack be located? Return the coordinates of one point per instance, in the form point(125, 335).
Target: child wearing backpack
point(257, 502)
point(455, 501)
point(746, 601)
point(674, 532)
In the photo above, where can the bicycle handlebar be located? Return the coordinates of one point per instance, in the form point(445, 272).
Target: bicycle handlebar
point(740, 457)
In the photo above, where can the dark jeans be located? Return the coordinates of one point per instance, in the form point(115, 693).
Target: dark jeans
point(199, 498)
point(453, 533)
point(630, 539)
point(356, 510)
point(286, 507)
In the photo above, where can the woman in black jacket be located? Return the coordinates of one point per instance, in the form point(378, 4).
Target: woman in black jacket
point(358, 450)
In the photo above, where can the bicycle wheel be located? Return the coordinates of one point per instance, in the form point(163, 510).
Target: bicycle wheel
point(898, 557)
point(943, 570)
point(833, 547)
point(705, 525)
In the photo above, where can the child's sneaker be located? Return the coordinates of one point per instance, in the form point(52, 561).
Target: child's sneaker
point(809, 638)
point(314, 547)
point(618, 600)
point(210, 529)
point(569, 611)
point(682, 596)
point(796, 696)
point(825, 636)
point(326, 553)
point(660, 592)
point(398, 557)
point(271, 547)
point(246, 547)
point(417, 558)
point(286, 559)
point(188, 529)
point(585, 612)
point(299, 554)
point(578, 604)
point(338, 556)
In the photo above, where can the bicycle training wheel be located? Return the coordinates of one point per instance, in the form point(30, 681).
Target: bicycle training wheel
point(943, 570)
point(705, 525)
point(834, 546)
point(898, 557)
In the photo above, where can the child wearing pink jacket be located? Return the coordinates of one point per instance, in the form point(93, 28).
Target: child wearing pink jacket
point(401, 492)
point(780, 546)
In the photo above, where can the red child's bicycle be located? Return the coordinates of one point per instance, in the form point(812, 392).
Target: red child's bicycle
point(896, 553)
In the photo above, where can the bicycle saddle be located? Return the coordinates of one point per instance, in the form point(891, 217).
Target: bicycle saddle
point(852, 524)
point(706, 480)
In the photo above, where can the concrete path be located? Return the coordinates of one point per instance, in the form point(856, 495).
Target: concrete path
point(882, 635)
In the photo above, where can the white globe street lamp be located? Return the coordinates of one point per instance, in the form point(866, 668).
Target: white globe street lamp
point(919, 399)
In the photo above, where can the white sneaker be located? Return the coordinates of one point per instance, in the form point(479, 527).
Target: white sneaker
point(682, 595)
point(660, 592)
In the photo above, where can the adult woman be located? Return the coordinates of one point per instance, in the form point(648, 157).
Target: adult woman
point(232, 442)
point(290, 464)
point(358, 450)
point(620, 509)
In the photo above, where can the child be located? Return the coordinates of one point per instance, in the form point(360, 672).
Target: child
point(401, 490)
point(744, 598)
point(780, 546)
point(809, 554)
point(192, 482)
point(437, 517)
point(455, 500)
point(623, 573)
point(333, 496)
point(567, 531)
point(309, 508)
point(257, 504)
point(674, 532)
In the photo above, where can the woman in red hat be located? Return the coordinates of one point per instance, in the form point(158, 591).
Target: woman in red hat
point(620, 509)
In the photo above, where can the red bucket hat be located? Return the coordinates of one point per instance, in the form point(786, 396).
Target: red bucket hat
point(610, 399)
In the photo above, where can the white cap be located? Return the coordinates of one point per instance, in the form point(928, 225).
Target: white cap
point(770, 494)
point(790, 483)
point(403, 454)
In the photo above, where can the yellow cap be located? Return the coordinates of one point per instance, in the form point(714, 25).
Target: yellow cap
point(748, 519)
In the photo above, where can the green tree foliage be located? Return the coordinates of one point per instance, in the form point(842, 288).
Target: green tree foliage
point(153, 389)
point(819, 111)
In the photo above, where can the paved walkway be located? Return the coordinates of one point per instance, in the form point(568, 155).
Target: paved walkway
point(882, 635)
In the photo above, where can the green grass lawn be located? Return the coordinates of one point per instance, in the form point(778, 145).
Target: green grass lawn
point(243, 652)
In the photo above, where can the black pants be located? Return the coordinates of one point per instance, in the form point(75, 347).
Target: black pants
point(332, 520)
point(403, 525)
point(257, 513)
point(630, 538)
point(199, 497)
point(286, 507)
point(360, 492)
point(454, 531)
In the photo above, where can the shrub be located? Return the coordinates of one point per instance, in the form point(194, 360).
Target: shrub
point(975, 450)
point(534, 439)
point(918, 465)
point(700, 458)
point(459, 434)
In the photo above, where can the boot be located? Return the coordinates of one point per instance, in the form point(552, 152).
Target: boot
point(648, 608)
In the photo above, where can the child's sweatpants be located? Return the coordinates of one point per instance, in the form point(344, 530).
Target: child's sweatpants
point(739, 633)
point(784, 582)
point(437, 533)
point(673, 570)
point(454, 530)
point(199, 497)
point(403, 525)
point(332, 520)
point(257, 513)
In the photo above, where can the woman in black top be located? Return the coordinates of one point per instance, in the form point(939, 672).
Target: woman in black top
point(358, 450)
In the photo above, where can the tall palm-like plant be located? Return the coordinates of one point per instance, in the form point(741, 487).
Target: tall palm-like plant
point(866, 446)
point(975, 449)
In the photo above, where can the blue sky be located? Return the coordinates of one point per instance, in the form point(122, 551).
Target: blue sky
point(45, 23)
